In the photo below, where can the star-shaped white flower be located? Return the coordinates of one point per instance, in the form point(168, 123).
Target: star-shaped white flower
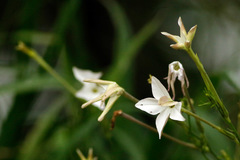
point(185, 39)
point(176, 70)
point(89, 90)
point(161, 104)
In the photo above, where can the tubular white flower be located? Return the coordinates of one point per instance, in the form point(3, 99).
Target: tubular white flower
point(183, 41)
point(111, 90)
point(89, 90)
point(161, 104)
point(176, 70)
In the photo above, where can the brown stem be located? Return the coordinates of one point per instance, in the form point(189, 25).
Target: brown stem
point(130, 118)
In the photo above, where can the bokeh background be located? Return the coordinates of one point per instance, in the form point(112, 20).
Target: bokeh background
point(39, 119)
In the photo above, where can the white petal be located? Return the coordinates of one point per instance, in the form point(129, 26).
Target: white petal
point(104, 87)
point(170, 36)
point(182, 28)
point(81, 74)
point(100, 105)
point(149, 105)
point(109, 105)
point(89, 91)
point(181, 75)
point(158, 90)
point(178, 106)
point(161, 121)
point(176, 115)
point(180, 39)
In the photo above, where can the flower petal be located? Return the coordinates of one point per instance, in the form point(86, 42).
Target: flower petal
point(149, 105)
point(100, 105)
point(178, 106)
point(177, 46)
point(191, 33)
point(182, 28)
point(89, 91)
point(91, 101)
point(81, 74)
point(158, 90)
point(161, 121)
point(172, 37)
point(109, 105)
point(176, 113)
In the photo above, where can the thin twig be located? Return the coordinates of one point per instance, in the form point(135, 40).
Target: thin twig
point(34, 55)
point(130, 97)
point(130, 118)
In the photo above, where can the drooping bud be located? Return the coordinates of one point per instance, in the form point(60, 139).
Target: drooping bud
point(176, 70)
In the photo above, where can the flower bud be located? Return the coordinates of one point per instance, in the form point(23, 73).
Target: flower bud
point(176, 70)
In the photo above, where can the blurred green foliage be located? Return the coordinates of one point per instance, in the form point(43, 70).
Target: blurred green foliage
point(40, 120)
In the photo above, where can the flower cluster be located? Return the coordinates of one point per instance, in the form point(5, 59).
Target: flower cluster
point(97, 91)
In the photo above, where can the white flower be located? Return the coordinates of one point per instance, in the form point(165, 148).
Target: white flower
point(161, 104)
point(185, 39)
point(176, 70)
point(89, 90)
point(112, 91)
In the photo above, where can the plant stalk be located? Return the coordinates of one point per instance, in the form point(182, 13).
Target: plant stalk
point(220, 106)
point(130, 118)
point(33, 54)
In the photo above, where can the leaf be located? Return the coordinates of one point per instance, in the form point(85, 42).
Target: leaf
point(34, 139)
point(37, 82)
point(121, 25)
point(122, 63)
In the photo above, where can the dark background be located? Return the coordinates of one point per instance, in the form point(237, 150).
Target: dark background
point(39, 119)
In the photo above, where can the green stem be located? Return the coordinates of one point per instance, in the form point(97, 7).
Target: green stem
point(226, 133)
point(206, 79)
point(200, 127)
point(237, 150)
point(33, 54)
point(130, 97)
point(220, 106)
point(204, 142)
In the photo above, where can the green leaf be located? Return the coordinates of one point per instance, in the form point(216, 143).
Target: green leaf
point(122, 63)
point(121, 25)
point(129, 144)
point(34, 83)
point(34, 139)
